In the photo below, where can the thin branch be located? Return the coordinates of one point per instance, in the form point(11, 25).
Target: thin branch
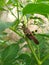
point(11, 11)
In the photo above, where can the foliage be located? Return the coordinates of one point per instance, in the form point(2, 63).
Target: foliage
point(13, 54)
point(39, 8)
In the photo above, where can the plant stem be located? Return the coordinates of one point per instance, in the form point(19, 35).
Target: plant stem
point(18, 10)
point(38, 52)
point(11, 11)
point(20, 34)
point(32, 50)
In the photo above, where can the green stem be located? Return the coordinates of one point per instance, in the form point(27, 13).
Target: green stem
point(32, 50)
point(18, 10)
point(38, 52)
point(10, 11)
point(20, 34)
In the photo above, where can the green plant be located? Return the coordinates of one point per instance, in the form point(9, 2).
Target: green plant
point(12, 54)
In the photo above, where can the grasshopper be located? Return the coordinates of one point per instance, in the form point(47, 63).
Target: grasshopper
point(29, 34)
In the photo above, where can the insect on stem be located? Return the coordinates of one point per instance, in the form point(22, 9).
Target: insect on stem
point(28, 34)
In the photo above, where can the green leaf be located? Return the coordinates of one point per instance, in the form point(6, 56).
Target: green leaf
point(20, 41)
point(9, 54)
point(39, 8)
point(4, 25)
point(2, 3)
point(27, 59)
point(46, 62)
point(43, 45)
point(14, 2)
point(45, 35)
point(42, 0)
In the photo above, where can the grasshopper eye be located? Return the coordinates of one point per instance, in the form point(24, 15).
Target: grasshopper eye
point(32, 31)
point(35, 30)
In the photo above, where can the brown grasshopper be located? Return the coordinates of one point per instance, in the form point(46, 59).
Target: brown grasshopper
point(29, 34)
